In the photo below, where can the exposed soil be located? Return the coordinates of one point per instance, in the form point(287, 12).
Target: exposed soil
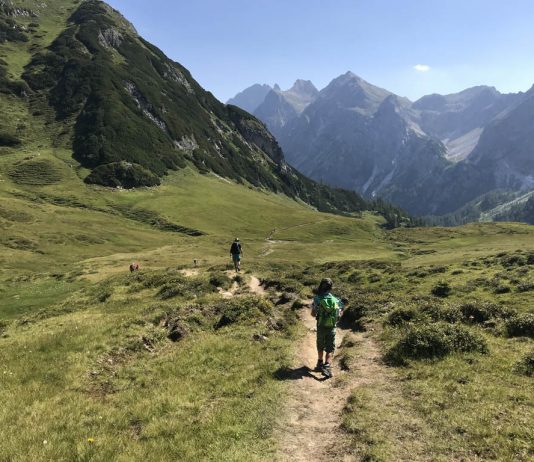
point(311, 428)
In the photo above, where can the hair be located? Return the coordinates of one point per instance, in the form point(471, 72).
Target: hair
point(325, 286)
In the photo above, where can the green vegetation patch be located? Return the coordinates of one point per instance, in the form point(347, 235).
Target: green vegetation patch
point(429, 341)
point(122, 174)
point(8, 140)
point(154, 219)
point(35, 172)
point(525, 365)
point(521, 325)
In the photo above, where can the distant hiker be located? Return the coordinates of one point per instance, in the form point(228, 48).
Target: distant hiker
point(134, 267)
point(236, 252)
point(327, 309)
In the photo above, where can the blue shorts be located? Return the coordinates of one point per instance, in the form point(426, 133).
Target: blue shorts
point(236, 256)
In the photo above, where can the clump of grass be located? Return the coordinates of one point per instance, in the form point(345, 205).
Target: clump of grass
point(446, 313)
point(401, 315)
point(441, 289)
point(433, 341)
point(239, 309)
point(9, 140)
point(513, 260)
point(220, 280)
point(481, 311)
point(521, 325)
point(35, 172)
point(525, 366)
point(525, 286)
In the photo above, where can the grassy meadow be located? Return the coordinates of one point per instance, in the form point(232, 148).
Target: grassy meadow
point(100, 364)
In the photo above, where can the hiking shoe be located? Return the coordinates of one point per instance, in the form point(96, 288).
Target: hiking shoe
point(327, 371)
point(319, 367)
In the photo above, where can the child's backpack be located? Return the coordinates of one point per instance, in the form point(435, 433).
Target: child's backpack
point(328, 311)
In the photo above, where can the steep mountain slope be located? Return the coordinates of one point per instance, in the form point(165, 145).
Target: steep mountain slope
point(503, 160)
point(250, 98)
point(281, 107)
point(459, 119)
point(129, 114)
point(359, 136)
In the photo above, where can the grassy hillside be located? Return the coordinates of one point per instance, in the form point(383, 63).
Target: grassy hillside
point(158, 365)
point(128, 113)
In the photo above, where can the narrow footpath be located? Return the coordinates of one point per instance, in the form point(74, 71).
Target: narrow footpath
point(311, 427)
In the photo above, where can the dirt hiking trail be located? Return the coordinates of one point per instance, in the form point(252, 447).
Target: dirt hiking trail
point(311, 429)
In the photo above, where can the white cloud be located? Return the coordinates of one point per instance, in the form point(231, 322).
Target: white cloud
point(422, 67)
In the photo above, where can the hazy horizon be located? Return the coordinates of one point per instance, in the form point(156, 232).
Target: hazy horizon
point(409, 48)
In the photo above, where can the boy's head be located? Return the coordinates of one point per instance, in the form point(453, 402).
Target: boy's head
point(325, 286)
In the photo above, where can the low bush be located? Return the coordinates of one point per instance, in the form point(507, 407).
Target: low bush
point(525, 286)
point(354, 277)
point(521, 325)
point(122, 174)
point(525, 365)
point(430, 341)
point(447, 313)
point(513, 260)
point(401, 315)
point(480, 311)
point(220, 280)
point(249, 308)
point(502, 289)
point(6, 139)
point(441, 289)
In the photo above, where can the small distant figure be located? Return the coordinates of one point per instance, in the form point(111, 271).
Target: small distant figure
point(134, 267)
point(194, 262)
point(327, 309)
point(236, 252)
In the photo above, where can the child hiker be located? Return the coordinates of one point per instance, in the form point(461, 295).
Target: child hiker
point(327, 309)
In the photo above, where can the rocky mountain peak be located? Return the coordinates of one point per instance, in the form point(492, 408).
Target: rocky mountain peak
point(304, 88)
point(350, 91)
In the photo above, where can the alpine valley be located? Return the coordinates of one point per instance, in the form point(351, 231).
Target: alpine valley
point(127, 334)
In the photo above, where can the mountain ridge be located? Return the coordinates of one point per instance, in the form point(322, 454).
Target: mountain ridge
point(462, 133)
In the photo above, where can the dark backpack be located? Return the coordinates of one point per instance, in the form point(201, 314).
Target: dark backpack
point(236, 248)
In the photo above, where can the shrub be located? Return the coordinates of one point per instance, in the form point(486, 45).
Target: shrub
point(441, 289)
point(9, 140)
point(481, 312)
point(447, 313)
point(513, 260)
point(429, 341)
point(501, 289)
point(521, 325)
point(249, 308)
point(525, 286)
point(123, 174)
point(220, 280)
point(525, 365)
point(401, 315)
point(354, 277)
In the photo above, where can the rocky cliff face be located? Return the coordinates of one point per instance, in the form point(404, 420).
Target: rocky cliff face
point(281, 107)
point(250, 98)
point(359, 136)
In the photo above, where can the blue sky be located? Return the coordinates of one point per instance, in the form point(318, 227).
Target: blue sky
point(230, 44)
